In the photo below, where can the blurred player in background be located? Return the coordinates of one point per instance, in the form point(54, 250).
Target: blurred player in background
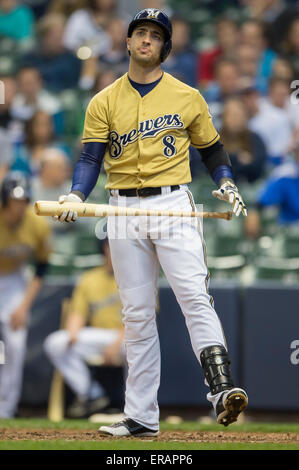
point(93, 328)
point(23, 236)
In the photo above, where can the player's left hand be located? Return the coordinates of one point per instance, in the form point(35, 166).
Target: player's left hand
point(229, 192)
point(19, 318)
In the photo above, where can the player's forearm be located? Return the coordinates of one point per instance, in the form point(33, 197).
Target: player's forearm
point(218, 163)
point(74, 323)
point(87, 169)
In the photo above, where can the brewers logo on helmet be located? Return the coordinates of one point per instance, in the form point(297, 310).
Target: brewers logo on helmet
point(161, 19)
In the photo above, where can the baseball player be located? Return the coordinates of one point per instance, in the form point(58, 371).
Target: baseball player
point(142, 126)
point(94, 327)
point(23, 236)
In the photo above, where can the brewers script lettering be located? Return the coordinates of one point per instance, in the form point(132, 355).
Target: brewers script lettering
point(147, 129)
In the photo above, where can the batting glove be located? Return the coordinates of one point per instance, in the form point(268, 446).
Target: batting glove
point(68, 215)
point(229, 192)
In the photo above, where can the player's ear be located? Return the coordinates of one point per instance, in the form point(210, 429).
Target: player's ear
point(128, 40)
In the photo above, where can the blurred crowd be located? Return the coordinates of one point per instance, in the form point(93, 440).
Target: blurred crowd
point(242, 55)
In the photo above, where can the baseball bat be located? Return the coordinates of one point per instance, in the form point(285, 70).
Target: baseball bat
point(56, 398)
point(51, 208)
point(57, 392)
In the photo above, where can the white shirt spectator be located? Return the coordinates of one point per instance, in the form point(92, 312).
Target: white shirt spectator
point(291, 110)
point(293, 113)
point(273, 126)
point(44, 102)
point(82, 30)
point(6, 152)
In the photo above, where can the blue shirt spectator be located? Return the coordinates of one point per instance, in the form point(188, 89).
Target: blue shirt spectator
point(253, 34)
point(39, 135)
point(16, 21)
point(182, 60)
point(59, 68)
point(225, 86)
point(282, 190)
point(117, 57)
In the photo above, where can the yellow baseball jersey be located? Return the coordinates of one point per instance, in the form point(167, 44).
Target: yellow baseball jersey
point(29, 240)
point(96, 298)
point(148, 137)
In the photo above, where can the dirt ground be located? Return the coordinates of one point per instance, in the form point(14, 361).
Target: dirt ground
point(164, 436)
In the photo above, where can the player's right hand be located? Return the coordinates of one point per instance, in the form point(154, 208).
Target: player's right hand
point(68, 216)
point(229, 192)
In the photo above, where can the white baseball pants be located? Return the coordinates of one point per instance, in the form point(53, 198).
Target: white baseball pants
point(176, 244)
point(12, 289)
point(70, 360)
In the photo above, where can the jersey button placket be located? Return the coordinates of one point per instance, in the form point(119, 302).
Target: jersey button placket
point(142, 219)
point(139, 157)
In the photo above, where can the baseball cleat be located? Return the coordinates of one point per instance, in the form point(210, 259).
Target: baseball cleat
point(230, 405)
point(126, 428)
point(83, 408)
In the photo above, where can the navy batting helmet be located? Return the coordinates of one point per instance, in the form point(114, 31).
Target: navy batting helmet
point(158, 17)
point(15, 186)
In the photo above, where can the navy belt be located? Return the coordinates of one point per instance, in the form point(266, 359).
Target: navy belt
point(144, 192)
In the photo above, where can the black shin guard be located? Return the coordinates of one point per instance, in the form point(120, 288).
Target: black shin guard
point(216, 366)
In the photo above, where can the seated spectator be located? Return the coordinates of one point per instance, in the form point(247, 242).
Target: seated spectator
point(39, 136)
point(265, 10)
point(272, 125)
point(59, 68)
point(227, 37)
point(181, 62)
point(117, 56)
point(86, 27)
point(246, 149)
point(65, 8)
point(93, 327)
point(159, 4)
point(38, 7)
point(24, 238)
point(6, 154)
point(277, 24)
point(53, 177)
point(253, 34)
point(227, 84)
point(100, 80)
point(279, 98)
point(16, 21)
point(290, 46)
point(12, 126)
point(8, 89)
point(248, 58)
point(105, 9)
point(281, 190)
point(282, 69)
point(32, 97)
